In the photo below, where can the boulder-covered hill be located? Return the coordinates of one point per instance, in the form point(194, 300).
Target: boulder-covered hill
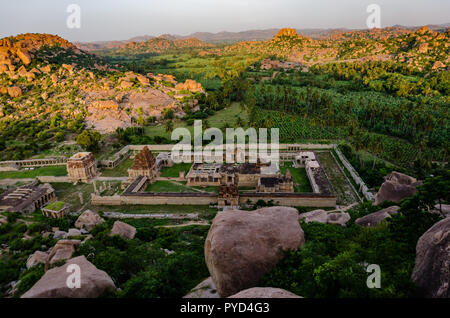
point(423, 49)
point(43, 77)
point(163, 44)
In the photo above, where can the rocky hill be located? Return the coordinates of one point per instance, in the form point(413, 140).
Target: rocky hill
point(46, 78)
point(163, 44)
point(423, 49)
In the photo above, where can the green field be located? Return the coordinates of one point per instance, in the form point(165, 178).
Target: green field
point(174, 172)
point(55, 206)
point(299, 176)
point(55, 171)
point(227, 117)
point(119, 171)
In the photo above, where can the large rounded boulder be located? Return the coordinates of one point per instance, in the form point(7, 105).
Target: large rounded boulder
point(397, 186)
point(124, 230)
point(266, 292)
point(373, 219)
point(88, 220)
point(93, 282)
point(432, 269)
point(242, 246)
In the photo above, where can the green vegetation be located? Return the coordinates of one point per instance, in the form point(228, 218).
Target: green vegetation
point(89, 139)
point(174, 186)
point(56, 171)
point(55, 206)
point(333, 262)
point(299, 176)
point(120, 171)
point(174, 172)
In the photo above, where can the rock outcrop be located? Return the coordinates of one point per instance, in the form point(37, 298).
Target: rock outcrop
point(14, 91)
point(267, 292)
point(322, 216)
point(36, 258)
point(124, 230)
point(397, 187)
point(88, 220)
point(206, 289)
point(242, 246)
point(340, 218)
point(189, 85)
point(432, 268)
point(53, 284)
point(62, 250)
point(373, 219)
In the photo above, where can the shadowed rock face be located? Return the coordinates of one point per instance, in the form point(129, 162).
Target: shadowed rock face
point(432, 270)
point(375, 218)
point(242, 246)
point(53, 284)
point(397, 187)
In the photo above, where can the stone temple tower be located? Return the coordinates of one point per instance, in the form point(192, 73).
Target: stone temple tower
point(144, 165)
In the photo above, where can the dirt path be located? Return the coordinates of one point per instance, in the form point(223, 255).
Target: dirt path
point(186, 224)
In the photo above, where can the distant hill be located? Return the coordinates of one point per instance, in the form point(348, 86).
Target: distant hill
point(250, 35)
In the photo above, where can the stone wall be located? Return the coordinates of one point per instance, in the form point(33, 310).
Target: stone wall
point(157, 199)
point(284, 199)
point(290, 199)
point(362, 186)
point(51, 179)
point(35, 162)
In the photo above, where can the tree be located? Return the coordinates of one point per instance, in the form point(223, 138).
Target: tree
point(169, 126)
point(89, 139)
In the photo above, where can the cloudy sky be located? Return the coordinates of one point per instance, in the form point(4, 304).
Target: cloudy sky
point(123, 19)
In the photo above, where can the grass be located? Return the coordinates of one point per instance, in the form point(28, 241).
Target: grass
point(55, 206)
point(69, 193)
point(56, 171)
point(119, 171)
point(227, 117)
point(169, 186)
point(299, 176)
point(174, 172)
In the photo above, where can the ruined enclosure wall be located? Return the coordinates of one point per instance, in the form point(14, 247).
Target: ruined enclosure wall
point(300, 201)
point(155, 200)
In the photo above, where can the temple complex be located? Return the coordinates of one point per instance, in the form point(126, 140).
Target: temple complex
point(82, 167)
point(27, 199)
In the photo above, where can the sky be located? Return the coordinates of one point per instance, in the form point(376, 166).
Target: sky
point(102, 20)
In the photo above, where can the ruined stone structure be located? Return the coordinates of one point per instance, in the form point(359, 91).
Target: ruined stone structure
point(242, 175)
point(276, 184)
point(228, 196)
point(53, 214)
point(27, 199)
point(82, 167)
point(144, 166)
